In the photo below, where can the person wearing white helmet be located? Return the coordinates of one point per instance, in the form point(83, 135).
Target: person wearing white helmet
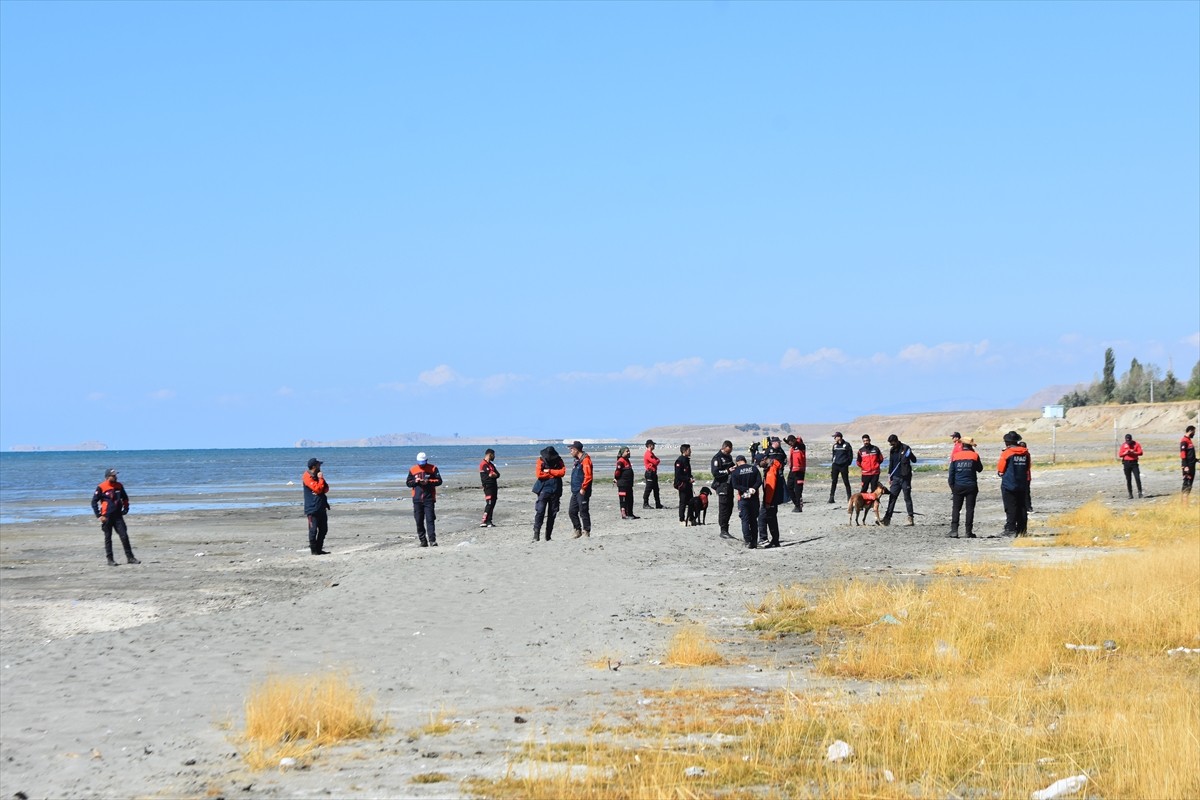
point(424, 479)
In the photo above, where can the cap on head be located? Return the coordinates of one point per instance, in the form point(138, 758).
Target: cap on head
point(837, 434)
point(1011, 438)
point(422, 458)
point(968, 442)
point(111, 472)
point(312, 462)
point(577, 445)
point(956, 435)
point(650, 443)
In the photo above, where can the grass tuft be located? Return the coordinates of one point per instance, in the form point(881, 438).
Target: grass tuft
point(692, 647)
point(289, 717)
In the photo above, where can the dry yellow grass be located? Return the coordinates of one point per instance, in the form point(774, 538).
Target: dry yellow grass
point(1095, 525)
point(973, 692)
point(692, 647)
point(289, 717)
point(974, 569)
point(438, 725)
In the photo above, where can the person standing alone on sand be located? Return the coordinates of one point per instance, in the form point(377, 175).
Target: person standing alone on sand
point(110, 503)
point(424, 479)
point(550, 470)
point(964, 485)
point(581, 491)
point(316, 507)
point(870, 459)
point(489, 476)
point(1129, 454)
point(1187, 455)
point(684, 481)
point(623, 478)
point(651, 462)
point(722, 466)
point(843, 456)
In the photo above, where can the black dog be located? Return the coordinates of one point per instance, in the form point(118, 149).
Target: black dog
point(697, 512)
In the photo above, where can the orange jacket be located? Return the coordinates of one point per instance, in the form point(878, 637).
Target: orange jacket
point(424, 480)
point(109, 499)
point(772, 480)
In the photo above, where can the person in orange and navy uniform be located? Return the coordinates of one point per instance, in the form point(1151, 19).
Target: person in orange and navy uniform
point(424, 479)
point(773, 493)
point(489, 476)
point(870, 460)
point(110, 503)
point(964, 484)
point(1129, 454)
point(651, 462)
point(316, 507)
point(1015, 471)
point(581, 491)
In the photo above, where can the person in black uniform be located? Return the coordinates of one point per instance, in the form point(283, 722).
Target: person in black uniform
point(722, 465)
point(684, 481)
point(746, 481)
point(843, 457)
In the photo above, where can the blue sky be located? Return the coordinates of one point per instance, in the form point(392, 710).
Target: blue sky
point(242, 224)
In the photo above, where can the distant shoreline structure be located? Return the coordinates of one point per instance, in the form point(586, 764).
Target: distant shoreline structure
point(69, 448)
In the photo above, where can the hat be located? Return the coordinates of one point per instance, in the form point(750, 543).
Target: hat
point(956, 435)
point(740, 458)
point(421, 458)
point(968, 442)
point(837, 434)
point(577, 445)
point(111, 472)
point(650, 443)
point(312, 462)
point(776, 440)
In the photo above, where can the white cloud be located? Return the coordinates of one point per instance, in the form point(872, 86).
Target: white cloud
point(1193, 340)
point(438, 376)
point(500, 382)
point(941, 353)
point(638, 373)
point(730, 365)
point(793, 358)
point(163, 394)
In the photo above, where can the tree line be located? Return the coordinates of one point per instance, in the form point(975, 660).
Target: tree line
point(1141, 383)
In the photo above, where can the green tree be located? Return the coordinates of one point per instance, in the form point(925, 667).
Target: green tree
point(1170, 388)
point(1193, 386)
point(1108, 386)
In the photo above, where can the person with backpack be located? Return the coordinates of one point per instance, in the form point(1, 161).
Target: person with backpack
point(900, 461)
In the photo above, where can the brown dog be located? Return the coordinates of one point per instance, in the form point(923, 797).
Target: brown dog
point(861, 503)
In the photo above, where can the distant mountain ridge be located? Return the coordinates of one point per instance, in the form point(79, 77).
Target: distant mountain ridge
point(414, 439)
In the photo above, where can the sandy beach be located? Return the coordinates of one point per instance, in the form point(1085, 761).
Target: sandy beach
point(129, 682)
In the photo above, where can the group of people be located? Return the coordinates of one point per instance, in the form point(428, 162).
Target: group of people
point(757, 485)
